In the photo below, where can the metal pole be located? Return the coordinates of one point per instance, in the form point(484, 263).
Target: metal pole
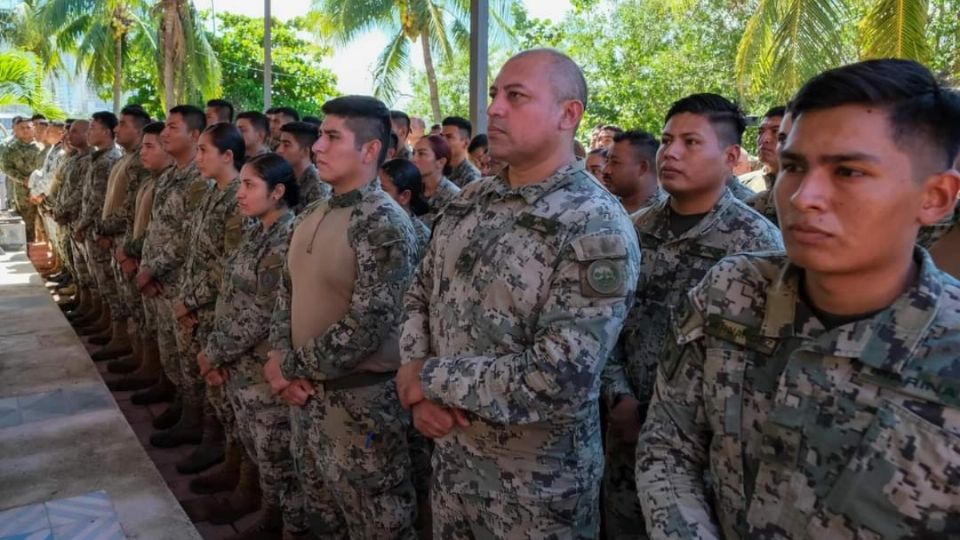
point(479, 63)
point(267, 57)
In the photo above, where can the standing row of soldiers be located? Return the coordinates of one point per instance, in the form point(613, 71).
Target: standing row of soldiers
point(758, 381)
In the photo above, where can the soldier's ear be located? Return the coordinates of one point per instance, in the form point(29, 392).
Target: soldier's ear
point(939, 196)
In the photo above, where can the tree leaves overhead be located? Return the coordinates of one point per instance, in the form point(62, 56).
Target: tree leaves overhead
point(896, 29)
point(21, 83)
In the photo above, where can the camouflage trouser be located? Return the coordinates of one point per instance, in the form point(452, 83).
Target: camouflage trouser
point(462, 517)
point(128, 294)
point(167, 329)
point(263, 423)
point(99, 262)
point(148, 330)
point(353, 462)
point(65, 249)
point(622, 515)
point(81, 263)
point(26, 209)
point(193, 388)
point(421, 451)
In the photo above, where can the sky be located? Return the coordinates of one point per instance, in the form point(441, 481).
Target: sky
point(354, 63)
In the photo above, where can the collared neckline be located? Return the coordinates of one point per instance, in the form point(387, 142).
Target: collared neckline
point(531, 193)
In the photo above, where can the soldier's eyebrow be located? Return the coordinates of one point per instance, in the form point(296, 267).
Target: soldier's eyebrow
point(786, 154)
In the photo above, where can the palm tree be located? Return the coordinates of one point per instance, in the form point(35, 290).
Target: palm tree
point(438, 25)
point(788, 41)
point(21, 28)
point(21, 83)
point(188, 64)
point(102, 35)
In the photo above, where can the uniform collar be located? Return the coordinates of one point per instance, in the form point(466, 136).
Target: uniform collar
point(531, 193)
point(887, 341)
point(351, 198)
point(656, 222)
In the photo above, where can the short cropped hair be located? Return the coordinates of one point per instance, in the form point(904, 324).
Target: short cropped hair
point(724, 115)
point(464, 125)
point(192, 115)
point(643, 144)
point(257, 119)
point(106, 119)
point(222, 106)
point(305, 134)
point(368, 118)
point(137, 113)
point(288, 112)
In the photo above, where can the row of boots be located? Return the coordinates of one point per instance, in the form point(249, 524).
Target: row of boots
point(231, 482)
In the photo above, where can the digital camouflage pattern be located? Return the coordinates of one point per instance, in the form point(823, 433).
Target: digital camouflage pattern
point(446, 192)
point(658, 196)
point(671, 266)
point(516, 306)
point(350, 445)
point(929, 235)
point(739, 190)
point(177, 193)
point(41, 180)
point(464, 173)
point(213, 232)
point(764, 204)
point(65, 207)
point(311, 189)
point(91, 208)
point(18, 160)
point(849, 432)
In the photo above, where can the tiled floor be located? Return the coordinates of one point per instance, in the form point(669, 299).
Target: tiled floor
point(141, 420)
point(85, 517)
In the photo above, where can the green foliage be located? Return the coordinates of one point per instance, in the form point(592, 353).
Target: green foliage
point(300, 79)
point(21, 83)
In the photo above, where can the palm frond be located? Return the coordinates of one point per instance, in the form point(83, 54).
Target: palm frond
point(752, 65)
point(392, 61)
point(805, 22)
point(895, 29)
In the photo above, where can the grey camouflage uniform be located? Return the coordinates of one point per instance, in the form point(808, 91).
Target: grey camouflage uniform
point(65, 206)
point(930, 234)
point(238, 342)
point(311, 188)
point(164, 250)
point(350, 445)
point(658, 197)
point(41, 185)
point(739, 190)
point(91, 208)
point(18, 161)
point(764, 204)
point(807, 432)
point(116, 223)
point(515, 308)
point(672, 265)
point(464, 173)
point(446, 192)
point(214, 231)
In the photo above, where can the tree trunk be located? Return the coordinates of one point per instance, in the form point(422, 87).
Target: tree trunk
point(170, 16)
point(117, 75)
point(431, 76)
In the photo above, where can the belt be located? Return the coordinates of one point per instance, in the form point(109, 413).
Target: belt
point(355, 380)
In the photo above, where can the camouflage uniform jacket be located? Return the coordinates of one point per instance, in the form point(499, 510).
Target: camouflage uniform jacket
point(95, 188)
point(672, 266)
point(69, 195)
point(175, 200)
point(120, 221)
point(311, 188)
point(214, 231)
point(739, 190)
point(807, 432)
point(658, 197)
point(763, 202)
point(515, 309)
point(930, 234)
point(385, 246)
point(464, 173)
point(423, 236)
point(19, 159)
point(446, 192)
point(41, 180)
point(246, 300)
point(132, 244)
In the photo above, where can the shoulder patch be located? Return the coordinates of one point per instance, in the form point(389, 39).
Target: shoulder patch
point(603, 265)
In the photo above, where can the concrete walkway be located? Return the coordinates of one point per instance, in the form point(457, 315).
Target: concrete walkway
point(70, 464)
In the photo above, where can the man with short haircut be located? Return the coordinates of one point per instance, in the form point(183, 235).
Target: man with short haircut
point(339, 307)
point(817, 388)
point(631, 171)
point(278, 118)
point(255, 129)
point(457, 131)
point(116, 221)
point(400, 124)
point(596, 161)
point(219, 110)
point(681, 238)
point(41, 184)
point(516, 306)
point(22, 155)
point(176, 196)
point(417, 130)
point(296, 141)
point(763, 201)
point(606, 136)
point(105, 154)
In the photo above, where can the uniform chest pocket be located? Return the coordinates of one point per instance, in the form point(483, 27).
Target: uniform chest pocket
point(232, 233)
point(902, 482)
